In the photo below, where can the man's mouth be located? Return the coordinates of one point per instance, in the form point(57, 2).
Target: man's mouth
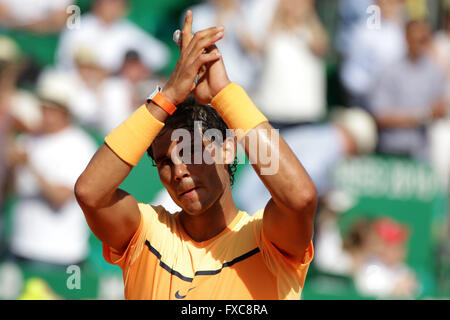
point(187, 192)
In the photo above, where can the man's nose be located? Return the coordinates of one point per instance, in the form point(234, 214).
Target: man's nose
point(180, 171)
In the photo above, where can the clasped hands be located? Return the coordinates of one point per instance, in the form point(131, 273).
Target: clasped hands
point(200, 69)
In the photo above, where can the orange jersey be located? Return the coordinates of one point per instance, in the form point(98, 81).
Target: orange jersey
point(163, 262)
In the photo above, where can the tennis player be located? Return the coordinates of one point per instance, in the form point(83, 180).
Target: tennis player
point(210, 249)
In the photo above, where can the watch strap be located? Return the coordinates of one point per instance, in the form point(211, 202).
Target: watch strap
point(161, 101)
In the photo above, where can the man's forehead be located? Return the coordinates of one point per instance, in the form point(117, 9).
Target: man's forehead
point(163, 144)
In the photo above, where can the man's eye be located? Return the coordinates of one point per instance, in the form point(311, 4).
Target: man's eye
point(163, 162)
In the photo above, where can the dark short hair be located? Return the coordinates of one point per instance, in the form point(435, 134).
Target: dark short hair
point(190, 111)
point(132, 55)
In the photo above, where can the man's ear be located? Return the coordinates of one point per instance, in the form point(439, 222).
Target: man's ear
point(228, 150)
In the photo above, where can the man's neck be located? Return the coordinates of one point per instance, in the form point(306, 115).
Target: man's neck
point(414, 58)
point(211, 222)
point(103, 21)
point(57, 129)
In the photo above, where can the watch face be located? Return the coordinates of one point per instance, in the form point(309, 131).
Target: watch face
point(154, 93)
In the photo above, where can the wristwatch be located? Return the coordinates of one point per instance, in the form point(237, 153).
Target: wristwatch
point(158, 98)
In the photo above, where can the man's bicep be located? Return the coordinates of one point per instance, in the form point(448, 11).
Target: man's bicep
point(115, 223)
point(290, 234)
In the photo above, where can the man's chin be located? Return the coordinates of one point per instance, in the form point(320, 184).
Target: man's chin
point(193, 211)
point(191, 203)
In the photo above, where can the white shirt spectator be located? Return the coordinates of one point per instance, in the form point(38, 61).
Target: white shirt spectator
point(258, 15)
point(329, 250)
point(439, 134)
point(40, 231)
point(110, 43)
point(293, 80)
point(377, 279)
point(370, 52)
point(116, 95)
point(104, 108)
point(239, 64)
point(442, 46)
point(84, 105)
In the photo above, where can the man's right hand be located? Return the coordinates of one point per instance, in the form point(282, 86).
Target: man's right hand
point(193, 56)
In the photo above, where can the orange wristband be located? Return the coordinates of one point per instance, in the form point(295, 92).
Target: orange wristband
point(131, 139)
point(237, 109)
point(158, 98)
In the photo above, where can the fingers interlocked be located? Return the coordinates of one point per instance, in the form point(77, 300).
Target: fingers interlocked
point(194, 48)
point(197, 51)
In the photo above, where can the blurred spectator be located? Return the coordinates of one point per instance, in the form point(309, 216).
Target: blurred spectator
point(48, 226)
point(121, 94)
point(129, 87)
point(8, 77)
point(18, 109)
point(293, 81)
point(357, 243)
point(258, 15)
point(320, 148)
point(350, 251)
point(87, 79)
point(110, 36)
point(10, 68)
point(408, 96)
point(351, 14)
point(43, 16)
point(236, 45)
point(4, 126)
point(440, 130)
point(384, 272)
point(441, 50)
point(371, 50)
point(137, 75)
point(103, 101)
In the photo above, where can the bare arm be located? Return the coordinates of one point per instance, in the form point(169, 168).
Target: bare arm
point(319, 43)
point(111, 213)
point(289, 214)
point(51, 24)
point(57, 195)
point(394, 120)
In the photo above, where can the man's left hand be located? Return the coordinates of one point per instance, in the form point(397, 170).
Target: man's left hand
point(212, 77)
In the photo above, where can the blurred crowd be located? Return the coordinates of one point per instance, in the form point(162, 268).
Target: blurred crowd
point(392, 61)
